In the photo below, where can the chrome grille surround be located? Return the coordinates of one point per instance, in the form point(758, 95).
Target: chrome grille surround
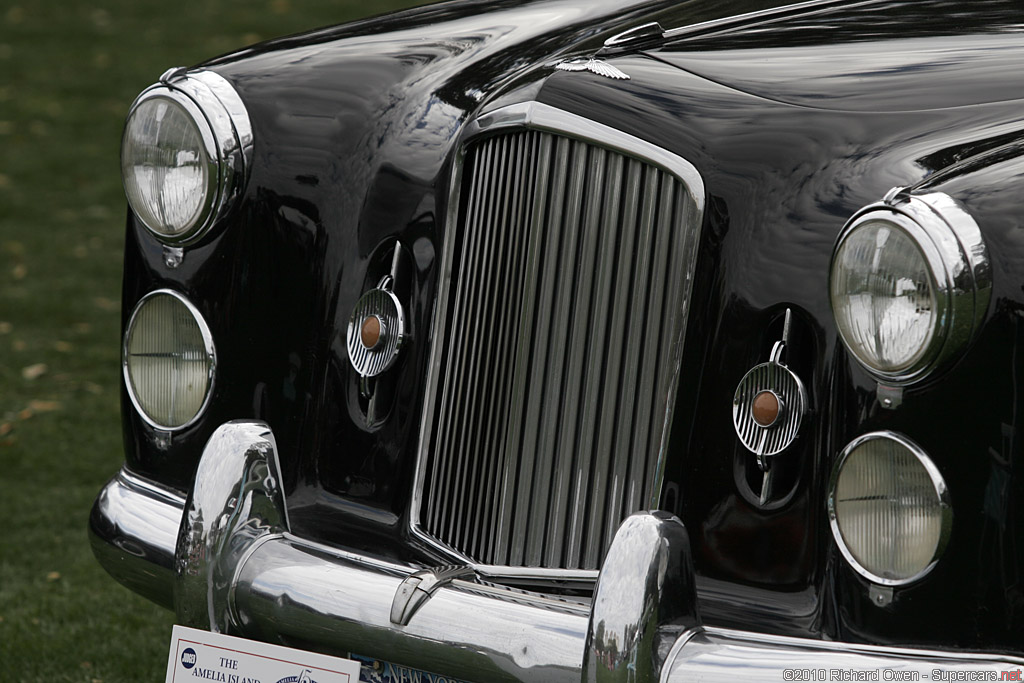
point(497, 341)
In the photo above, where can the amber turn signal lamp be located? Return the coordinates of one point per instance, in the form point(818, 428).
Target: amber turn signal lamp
point(766, 409)
point(371, 331)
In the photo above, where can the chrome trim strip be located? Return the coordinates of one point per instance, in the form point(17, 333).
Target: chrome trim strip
point(839, 646)
point(717, 655)
point(761, 18)
point(952, 244)
point(223, 122)
point(211, 352)
point(676, 649)
point(941, 492)
point(541, 117)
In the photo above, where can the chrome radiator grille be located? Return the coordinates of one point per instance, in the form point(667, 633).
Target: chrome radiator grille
point(566, 310)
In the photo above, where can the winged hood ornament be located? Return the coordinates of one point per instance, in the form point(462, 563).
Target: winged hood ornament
point(593, 65)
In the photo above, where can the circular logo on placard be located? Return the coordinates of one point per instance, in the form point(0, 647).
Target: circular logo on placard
point(188, 658)
point(304, 677)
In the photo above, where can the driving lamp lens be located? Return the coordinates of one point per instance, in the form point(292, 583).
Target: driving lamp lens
point(889, 509)
point(168, 360)
point(165, 167)
point(883, 296)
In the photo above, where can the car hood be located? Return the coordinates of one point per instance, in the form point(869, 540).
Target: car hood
point(872, 56)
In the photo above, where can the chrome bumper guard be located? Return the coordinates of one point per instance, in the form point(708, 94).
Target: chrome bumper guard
point(225, 561)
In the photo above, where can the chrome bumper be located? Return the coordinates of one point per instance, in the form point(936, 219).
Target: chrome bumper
point(224, 560)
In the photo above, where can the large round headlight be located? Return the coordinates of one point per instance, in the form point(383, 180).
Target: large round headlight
point(168, 165)
point(884, 295)
point(169, 360)
point(185, 154)
point(889, 508)
point(909, 285)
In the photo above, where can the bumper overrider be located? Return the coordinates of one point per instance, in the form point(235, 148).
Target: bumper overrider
point(225, 560)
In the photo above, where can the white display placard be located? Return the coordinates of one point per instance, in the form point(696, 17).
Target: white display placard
point(198, 656)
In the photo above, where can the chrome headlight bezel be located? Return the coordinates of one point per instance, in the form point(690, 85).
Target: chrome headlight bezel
point(209, 347)
point(225, 130)
point(941, 491)
point(950, 242)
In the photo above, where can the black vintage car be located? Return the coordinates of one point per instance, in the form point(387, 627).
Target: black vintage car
point(601, 341)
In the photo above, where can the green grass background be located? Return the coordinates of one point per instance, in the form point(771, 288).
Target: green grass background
point(68, 72)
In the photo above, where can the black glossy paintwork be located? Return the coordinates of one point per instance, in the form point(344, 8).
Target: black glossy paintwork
point(354, 139)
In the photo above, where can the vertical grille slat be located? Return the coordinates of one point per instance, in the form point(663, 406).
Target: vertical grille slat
point(585, 365)
point(546, 375)
point(492, 357)
point(558, 425)
point(441, 470)
point(567, 297)
point(517, 475)
point(606, 502)
point(508, 331)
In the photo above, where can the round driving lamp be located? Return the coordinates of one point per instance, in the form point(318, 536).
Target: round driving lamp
point(185, 154)
point(168, 360)
point(889, 509)
point(909, 285)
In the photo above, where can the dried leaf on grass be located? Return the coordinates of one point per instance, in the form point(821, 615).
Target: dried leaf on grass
point(19, 271)
point(44, 406)
point(63, 346)
point(34, 371)
point(6, 428)
point(53, 576)
point(105, 304)
point(5, 328)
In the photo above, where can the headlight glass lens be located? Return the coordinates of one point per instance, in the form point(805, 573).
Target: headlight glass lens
point(168, 360)
point(165, 167)
point(888, 509)
point(883, 296)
